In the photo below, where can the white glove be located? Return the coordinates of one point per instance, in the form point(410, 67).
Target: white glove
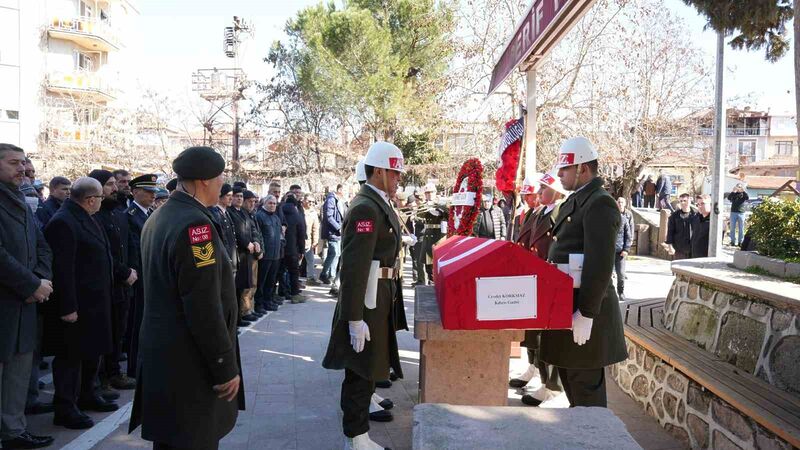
point(409, 239)
point(435, 212)
point(581, 328)
point(359, 334)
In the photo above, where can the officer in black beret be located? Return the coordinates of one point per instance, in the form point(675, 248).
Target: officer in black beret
point(172, 184)
point(189, 389)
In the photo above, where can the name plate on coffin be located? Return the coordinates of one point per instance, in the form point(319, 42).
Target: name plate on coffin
point(506, 298)
point(463, 199)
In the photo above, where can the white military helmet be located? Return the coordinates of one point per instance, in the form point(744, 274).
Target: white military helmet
point(385, 156)
point(577, 150)
point(430, 187)
point(530, 185)
point(361, 171)
point(552, 181)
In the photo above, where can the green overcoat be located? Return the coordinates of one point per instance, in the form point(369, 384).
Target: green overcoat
point(371, 231)
point(587, 223)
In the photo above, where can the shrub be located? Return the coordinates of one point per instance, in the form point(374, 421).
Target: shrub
point(775, 227)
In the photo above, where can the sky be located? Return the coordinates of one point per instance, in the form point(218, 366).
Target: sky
point(173, 38)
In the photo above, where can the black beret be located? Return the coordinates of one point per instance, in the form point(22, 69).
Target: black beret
point(237, 189)
point(249, 194)
point(240, 184)
point(147, 182)
point(225, 189)
point(100, 175)
point(198, 163)
point(172, 184)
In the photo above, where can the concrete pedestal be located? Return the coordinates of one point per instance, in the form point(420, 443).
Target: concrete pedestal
point(460, 367)
point(443, 427)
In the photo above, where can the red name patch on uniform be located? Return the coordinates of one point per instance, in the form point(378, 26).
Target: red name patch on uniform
point(566, 159)
point(201, 233)
point(364, 226)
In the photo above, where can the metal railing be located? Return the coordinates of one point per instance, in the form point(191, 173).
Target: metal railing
point(90, 26)
point(81, 81)
point(703, 131)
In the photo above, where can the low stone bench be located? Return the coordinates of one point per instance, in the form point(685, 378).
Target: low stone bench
point(705, 362)
point(440, 427)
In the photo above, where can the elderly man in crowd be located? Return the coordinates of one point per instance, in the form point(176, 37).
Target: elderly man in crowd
point(59, 191)
point(248, 247)
point(491, 223)
point(312, 237)
point(25, 272)
point(78, 323)
point(115, 224)
point(270, 226)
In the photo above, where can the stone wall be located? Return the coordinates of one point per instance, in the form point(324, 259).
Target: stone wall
point(685, 409)
point(760, 338)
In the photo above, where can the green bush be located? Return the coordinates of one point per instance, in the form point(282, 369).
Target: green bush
point(775, 227)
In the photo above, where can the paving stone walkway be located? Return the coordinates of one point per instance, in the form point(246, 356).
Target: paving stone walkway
point(293, 403)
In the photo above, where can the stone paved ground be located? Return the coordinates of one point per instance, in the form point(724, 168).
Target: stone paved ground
point(293, 403)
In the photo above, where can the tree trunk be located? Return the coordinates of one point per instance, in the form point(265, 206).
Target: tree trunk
point(797, 77)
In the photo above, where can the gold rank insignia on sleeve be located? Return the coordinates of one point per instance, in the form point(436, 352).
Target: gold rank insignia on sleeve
point(203, 254)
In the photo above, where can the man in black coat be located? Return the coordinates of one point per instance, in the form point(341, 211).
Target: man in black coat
point(189, 370)
point(115, 224)
point(59, 191)
point(248, 248)
point(25, 273)
point(144, 194)
point(679, 229)
point(124, 196)
point(295, 246)
point(78, 323)
point(700, 226)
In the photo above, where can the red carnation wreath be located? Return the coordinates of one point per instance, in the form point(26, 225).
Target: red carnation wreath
point(466, 198)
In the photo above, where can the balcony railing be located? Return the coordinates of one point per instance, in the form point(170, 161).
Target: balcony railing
point(703, 131)
point(82, 85)
point(91, 33)
point(68, 134)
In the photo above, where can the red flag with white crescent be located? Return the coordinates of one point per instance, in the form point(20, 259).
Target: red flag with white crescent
point(509, 155)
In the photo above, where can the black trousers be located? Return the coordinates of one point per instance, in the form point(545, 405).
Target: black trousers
point(547, 372)
point(267, 277)
point(292, 264)
point(356, 394)
point(649, 201)
point(584, 387)
point(619, 269)
point(73, 379)
point(119, 324)
point(135, 323)
point(163, 446)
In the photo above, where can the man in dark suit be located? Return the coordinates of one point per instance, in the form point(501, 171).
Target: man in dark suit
point(25, 273)
point(585, 233)
point(115, 224)
point(189, 371)
point(144, 194)
point(248, 247)
point(59, 191)
point(78, 323)
point(701, 224)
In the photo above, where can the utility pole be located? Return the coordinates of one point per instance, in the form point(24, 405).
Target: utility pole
point(720, 130)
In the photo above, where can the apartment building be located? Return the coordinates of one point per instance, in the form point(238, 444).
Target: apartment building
point(59, 70)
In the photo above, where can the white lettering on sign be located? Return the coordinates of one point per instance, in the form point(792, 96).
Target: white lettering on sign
point(506, 298)
point(463, 199)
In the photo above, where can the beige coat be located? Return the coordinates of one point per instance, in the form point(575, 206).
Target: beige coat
point(312, 228)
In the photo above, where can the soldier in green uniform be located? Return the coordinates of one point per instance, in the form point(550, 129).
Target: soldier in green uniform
point(585, 232)
point(435, 217)
point(363, 340)
point(188, 391)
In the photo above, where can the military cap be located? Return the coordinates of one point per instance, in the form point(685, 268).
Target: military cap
point(172, 184)
point(198, 163)
point(162, 193)
point(249, 194)
point(226, 188)
point(146, 182)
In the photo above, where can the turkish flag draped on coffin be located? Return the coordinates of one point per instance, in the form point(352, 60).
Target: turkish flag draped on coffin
point(492, 284)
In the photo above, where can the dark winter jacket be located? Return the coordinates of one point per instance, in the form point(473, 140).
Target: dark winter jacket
point(48, 209)
point(624, 235)
point(269, 224)
point(679, 231)
point(295, 230)
point(332, 218)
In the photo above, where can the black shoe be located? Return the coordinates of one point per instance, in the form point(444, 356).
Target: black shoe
point(272, 306)
point(27, 440)
point(243, 323)
point(386, 404)
point(44, 365)
point(98, 404)
point(333, 291)
point(260, 310)
point(121, 382)
point(516, 383)
point(531, 400)
point(385, 384)
point(108, 394)
point(250, 317)
point(381, 416)
point(393, 376)
point(324, 280)
point(39, 408)
point(73, 420)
